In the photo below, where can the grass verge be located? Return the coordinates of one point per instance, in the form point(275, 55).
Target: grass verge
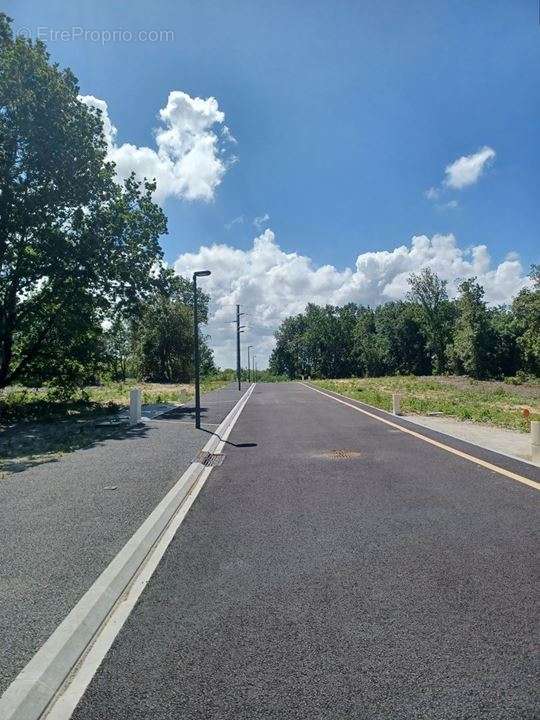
point(487, 402)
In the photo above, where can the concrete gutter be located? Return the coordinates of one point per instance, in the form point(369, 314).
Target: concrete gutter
point(30, 694)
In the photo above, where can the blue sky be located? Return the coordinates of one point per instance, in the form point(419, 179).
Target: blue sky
point(345, 114)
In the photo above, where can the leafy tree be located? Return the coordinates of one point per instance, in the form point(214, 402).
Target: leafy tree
point(368, 346)
point(164, 344)
point(289, 356)
point(474, 337)
point(119, 347)
point(429, 291)
point(526, 310)
point(505, 353)
point(74, 245)
point(403, 342)
point(206, 358)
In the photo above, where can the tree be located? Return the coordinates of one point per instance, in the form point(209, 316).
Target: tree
point(164, 347)
point(289, 356)
point(74, 245)
point(474, 336)
point(118, 347)
point(403, 342)
point(206, 358)
point(526, 310)
point(368, 350)
point(429, 291)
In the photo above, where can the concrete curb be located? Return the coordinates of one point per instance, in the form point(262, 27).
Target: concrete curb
point(32, 691)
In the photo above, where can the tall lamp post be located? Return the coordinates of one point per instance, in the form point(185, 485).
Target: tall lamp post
point(199, 273)
point(239, 329)
point(249, 365)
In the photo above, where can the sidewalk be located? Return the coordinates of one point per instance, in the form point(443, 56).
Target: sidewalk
point(508, 442)
point(62, 522)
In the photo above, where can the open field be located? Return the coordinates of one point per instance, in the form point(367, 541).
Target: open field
point(36, 428)
point(492, 402)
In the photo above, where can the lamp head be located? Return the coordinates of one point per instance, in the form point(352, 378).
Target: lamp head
point(202, 273)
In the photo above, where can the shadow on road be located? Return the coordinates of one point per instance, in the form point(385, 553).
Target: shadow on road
point(26, 445)
point(227, 442)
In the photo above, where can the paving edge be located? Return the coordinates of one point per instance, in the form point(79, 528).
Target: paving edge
point(32, 691)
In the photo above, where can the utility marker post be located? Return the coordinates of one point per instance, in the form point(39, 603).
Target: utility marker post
point(535, 441)
point(134, 406)
point(196, 362)
point(396, 404)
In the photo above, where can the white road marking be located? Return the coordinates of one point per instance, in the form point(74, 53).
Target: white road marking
point(63, 702)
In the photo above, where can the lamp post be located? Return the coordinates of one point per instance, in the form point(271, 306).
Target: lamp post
point(239, 329)
point(249, 366)
point(199, 273)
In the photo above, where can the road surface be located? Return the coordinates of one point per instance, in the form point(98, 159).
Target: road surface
point(62, 522)
point(336, 567)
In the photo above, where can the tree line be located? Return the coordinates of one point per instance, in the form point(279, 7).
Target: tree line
point(84, 291)
point(427, 333)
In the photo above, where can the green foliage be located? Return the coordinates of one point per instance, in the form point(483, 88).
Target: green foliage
point(526, 310)
point(164, 341)
point(474, 337)
point(429, 292)
point(75, 247)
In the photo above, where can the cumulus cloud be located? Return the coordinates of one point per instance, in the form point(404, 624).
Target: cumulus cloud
point(464, 171)
point(271, 284)
point(189, 159)
point(467, 169)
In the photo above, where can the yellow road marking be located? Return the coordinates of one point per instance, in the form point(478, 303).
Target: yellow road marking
point(448, 448)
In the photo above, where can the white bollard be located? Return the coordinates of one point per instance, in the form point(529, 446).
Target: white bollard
point(396, 404)
point(134, 406)
point(535, 441)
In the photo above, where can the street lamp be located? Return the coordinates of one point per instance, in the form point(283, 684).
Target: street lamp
point(199, 273)
point(249, 366)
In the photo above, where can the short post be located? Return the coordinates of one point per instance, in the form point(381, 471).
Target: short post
point(396, 404)
point(134, 406)
point(535, 441)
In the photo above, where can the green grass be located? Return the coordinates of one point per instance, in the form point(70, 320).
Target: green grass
point(493, 403)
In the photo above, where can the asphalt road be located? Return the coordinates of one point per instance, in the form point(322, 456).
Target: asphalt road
point(334, 567)
point(62, 522)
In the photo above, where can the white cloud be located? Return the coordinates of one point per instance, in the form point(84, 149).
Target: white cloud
point(271, 284)
point(464, 171)
point(227, 134)
point(259, 222)
point(467, 169)
point(188, 161)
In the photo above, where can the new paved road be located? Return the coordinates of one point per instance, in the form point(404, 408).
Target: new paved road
point(335, 567)
point(62, 522)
